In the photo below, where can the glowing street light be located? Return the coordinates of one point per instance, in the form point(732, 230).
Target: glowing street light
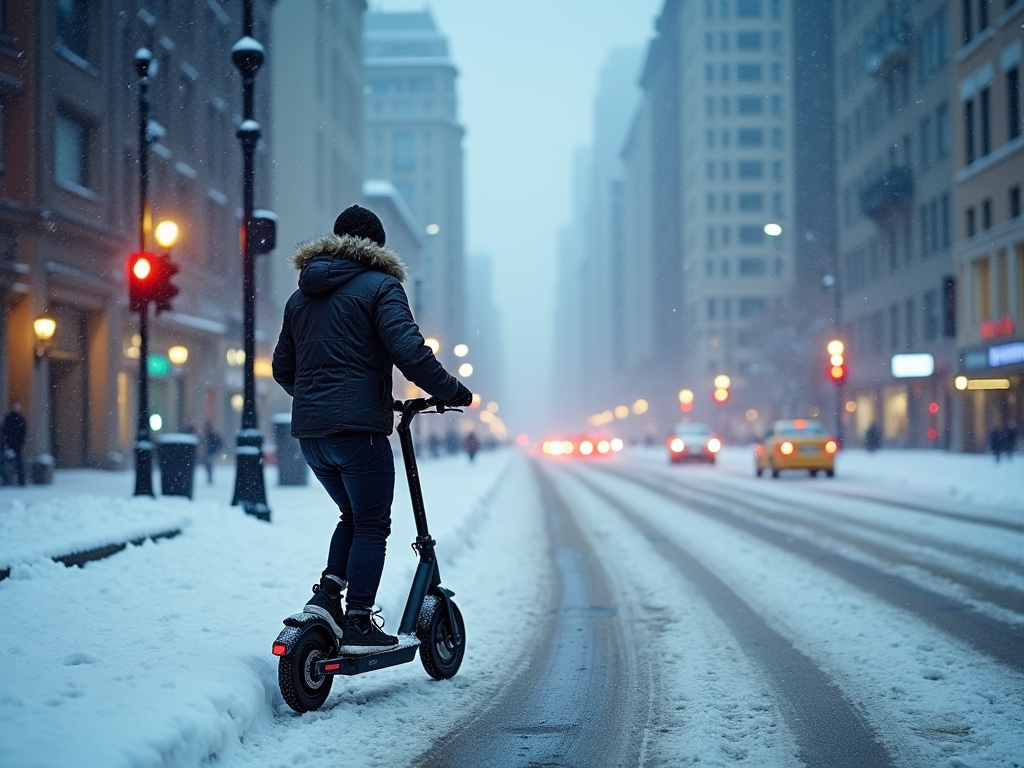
point(621, 412)
point(461, 350)
point(166, 234)
point(177, 354)
point(466, 370)
point(640, 407)
point(434, 344)
point(772, 229)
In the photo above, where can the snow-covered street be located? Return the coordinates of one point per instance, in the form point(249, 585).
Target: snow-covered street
point(619, 612)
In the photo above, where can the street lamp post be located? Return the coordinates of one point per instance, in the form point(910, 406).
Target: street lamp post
point(250, 491)
point(143, 445)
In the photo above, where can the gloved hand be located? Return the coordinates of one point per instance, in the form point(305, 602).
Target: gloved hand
point(463, 398)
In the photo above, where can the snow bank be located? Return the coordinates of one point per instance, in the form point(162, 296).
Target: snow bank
point(160, 655)
point(46, 529)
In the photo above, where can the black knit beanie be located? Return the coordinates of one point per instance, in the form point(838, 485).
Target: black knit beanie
point(359, 222)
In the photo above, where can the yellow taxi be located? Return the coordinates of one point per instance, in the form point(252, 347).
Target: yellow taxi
point(797, 444)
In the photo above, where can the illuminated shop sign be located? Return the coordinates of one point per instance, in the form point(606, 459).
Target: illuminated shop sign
point(914, 366)
point(996, 356)
point(994, 329)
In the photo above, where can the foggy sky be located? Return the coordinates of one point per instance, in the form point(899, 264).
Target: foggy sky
point(528, 73)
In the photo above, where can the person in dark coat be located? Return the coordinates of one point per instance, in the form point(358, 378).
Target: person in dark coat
point(997, 441)
point(211, 446)
point(472, 445)
point(13, 439)
point(344, 330)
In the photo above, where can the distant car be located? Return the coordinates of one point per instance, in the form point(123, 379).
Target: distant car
point(692, 442)
point(797, 444)
point(585, 446)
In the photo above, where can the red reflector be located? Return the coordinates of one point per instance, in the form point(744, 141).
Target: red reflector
point(331, 667)
point(279, 649)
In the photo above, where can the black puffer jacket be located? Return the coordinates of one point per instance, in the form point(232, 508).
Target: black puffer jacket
point(344, 329)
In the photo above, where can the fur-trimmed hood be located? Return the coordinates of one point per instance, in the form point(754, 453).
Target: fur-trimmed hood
point(359, 250)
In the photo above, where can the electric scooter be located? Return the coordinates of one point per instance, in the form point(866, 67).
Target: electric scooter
point(431, 623)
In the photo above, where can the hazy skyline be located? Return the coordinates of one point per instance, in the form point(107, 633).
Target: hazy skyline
point(528, 75)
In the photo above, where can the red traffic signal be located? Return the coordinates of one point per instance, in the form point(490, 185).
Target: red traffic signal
point(721, 395)
point(149, 279)
point(837, 373)
point(141, 279)
point(837, 364)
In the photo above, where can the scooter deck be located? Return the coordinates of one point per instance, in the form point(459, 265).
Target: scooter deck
point(402, 653)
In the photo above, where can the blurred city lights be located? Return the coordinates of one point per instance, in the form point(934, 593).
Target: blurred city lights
point(722, 381)
point(477, 399)
point(836, 347)
point(772, 229)
point(156, 422)
point(434, 344)
point(166, 234)
point(851, 406)
point(177, 354)
point(617, 444)
point(433, 229)
point(686, 396)
point(751, 415)
point(640, 407)
point(466, 370)
point(621, 412)
point(461, 350)
point(492, 407)
point(960, 382)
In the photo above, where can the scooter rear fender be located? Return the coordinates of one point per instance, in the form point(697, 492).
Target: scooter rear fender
point(294, 627)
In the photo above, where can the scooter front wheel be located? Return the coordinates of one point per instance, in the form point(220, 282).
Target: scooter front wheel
point(440, 652)
point(302, 688)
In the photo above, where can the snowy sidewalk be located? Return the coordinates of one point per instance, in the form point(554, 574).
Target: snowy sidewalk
point(160, 654)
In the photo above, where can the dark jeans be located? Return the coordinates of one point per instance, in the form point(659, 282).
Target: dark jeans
point(17, 461)
point(358, 471)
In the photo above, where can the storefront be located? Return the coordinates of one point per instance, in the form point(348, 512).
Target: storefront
point(991, 391)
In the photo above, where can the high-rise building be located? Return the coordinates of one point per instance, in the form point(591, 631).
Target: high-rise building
point(414, 140)
point(988, 157)
point(737, 180)
point(317, 89)
point(69, 215)
point(895, 206)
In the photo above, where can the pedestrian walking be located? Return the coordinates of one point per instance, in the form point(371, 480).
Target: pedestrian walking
point(344, 330)
point(997, 441)
point(472, 445)
point(211, 448)
point(13, 440)
point(873, 437)
point(1010, 438)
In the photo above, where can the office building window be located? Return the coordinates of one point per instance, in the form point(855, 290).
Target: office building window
point(984, 104)
point(709, 73)
point(1013, 102)
point(776, 9)
point(924, 229)
point(1015, 202)
point(751, 308)
point(73, 26)
point(982, 15)
point(776, 42)
point(725, 105)
point(926, 142)
point(777, 170)
point(894, 327)
point(751, 202)
point(748, 73)
point(725, 137)
point(777, 106)
point(749, 105)
point(709, 267)
point(748, 9)
point(752, 267)
point(777, 142)
point(750, 137)
point(750, 170)
point(723, 8)
point(711, 203)
point(965, 14)
point(723, 41)
point(726, 203)
point(709, 42)
point(709, 171)
point(969, 131)
point(709, 9)
point(947, 219)
point(725, 168)
point(725, 73)
point(711, 238)
point(710, 139)
point(986, 214)
point(908, 325)
point(751, 235)
point(709, 106)
point(972, 225)
point(72, 151)
point(749, 41)
point(727, 304)
point(776, 73)
point(402, 158)
point(944, 129)
point(712, 309)
point(931, 315)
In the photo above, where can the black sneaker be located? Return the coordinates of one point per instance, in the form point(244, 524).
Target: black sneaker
point(326, 604)
point(363, 634)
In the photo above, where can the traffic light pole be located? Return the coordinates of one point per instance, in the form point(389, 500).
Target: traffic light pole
point(839, 415)
point(143, 444)
point(250, 492)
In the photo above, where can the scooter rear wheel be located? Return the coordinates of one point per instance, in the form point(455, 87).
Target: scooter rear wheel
point(440, 654)
point(303, 690)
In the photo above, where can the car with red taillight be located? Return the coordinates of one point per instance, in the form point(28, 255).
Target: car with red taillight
point(802, 444)
point(692, 442)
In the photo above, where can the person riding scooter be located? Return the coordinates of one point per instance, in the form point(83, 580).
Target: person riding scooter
point(344, 329)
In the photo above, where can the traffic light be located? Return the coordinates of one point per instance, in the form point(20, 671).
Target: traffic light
point(163, 289)
point(141, 279)
point(837, 363)
point(721, 393)
point(686, 400)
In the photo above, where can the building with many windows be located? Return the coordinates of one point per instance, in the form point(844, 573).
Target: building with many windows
point(414, 140)
point(69, 215)
point(988, 158)
point(894, 119)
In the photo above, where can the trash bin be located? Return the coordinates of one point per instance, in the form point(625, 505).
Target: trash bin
point(42, 469)
point(177, 456)
point(291, 464)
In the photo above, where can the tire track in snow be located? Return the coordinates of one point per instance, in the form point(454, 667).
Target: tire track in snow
point(999, 640)
point(578, 703)
point(1007, 597)
point(830, 732)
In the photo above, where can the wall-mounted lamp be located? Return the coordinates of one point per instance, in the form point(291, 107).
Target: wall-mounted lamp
point(44, 327)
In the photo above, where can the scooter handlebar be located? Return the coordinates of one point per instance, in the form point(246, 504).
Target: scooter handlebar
point(420, 404)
